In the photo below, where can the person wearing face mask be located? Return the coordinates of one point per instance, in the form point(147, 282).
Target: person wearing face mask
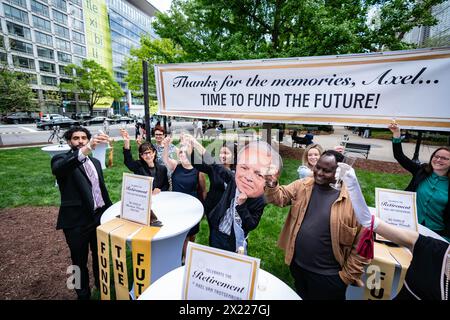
point(428, 274)
point(213, 167)
point(146, 165)
point(241, 203)
point(431, 183)
point(321, 233)
point(84, 198)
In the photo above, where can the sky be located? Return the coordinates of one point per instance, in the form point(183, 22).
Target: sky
point(161, 5)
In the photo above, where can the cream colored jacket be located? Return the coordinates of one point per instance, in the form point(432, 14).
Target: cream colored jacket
point(344, 228)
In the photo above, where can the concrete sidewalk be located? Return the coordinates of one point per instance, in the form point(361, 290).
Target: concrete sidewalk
point(380, 149)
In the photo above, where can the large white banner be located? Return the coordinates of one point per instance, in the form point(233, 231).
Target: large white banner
point(368, 89)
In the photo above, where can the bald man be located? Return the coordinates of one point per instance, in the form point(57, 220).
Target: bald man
point(242, 204)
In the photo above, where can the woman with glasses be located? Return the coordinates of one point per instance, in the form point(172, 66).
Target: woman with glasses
point(430, 182)
point(146, 165)
point(185, 178)
point(159, 137)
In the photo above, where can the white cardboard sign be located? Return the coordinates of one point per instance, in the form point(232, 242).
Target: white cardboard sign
point(136, 198)
point(397, 208)
point(214, 274)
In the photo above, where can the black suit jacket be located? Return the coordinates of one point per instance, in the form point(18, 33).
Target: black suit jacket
point(77, 203)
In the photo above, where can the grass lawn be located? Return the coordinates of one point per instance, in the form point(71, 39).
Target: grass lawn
point(26, 180)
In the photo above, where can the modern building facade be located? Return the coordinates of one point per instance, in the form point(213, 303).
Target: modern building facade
point(128, 21)
point(41, 37)
point(435, 36)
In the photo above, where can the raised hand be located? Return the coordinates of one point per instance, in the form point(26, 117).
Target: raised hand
point(124, 134)
point(395, 129)
point(241, 198)
point(271, 175)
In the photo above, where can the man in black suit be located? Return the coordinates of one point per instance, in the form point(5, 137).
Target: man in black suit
point(84, 198)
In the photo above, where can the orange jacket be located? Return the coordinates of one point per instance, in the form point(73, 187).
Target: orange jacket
point(344, 228)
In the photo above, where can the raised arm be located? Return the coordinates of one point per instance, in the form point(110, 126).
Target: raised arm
point(403, 237)
point(397, 149)
point(62, 164)
point(171, 164)
point(126, 138)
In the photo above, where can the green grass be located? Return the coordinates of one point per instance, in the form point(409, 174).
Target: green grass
point(26, 180)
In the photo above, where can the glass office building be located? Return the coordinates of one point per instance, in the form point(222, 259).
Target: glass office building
point(41, 37)
point(128, 21)
point(434, 36)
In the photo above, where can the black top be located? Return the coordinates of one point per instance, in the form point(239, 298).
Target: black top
point(217, 184)
point(140, 167)
point(425, 279)
point(185, 180)
point(313, 248)
point(419, 175)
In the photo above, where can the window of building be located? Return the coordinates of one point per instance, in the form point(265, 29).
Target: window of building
point(62, 71)
point(62, 44)
point(77, 25)
point(64, 57)
point(77, 60)
point(15, 14)
point(47, 67)
point(3, 57)
point(20, 3)
point(18, 30)
point(60, 17)
point(62, 31)
point(60, 4)
point(65, 80)
point(76, 12)
point(48, 81)
point(2, 42)
point(42, 24)
point(78, 37)
point(80, 50)
point(39, 8)
point(43, 38)
point(78, 2)
point(30, 77)
point(21, 46)
point(45, 53)
point(23, 62)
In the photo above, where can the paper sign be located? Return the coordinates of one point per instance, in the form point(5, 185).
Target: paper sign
point(136, 198)
point(397, 208)
point(214, 274)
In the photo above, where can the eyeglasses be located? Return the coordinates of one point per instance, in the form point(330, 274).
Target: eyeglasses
point(148, 153)
point(440, 157)
point(159, 134)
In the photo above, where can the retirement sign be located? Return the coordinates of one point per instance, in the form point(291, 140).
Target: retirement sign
point(367, 89)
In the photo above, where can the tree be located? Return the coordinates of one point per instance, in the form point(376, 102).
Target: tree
point(208, 30)
point(155, 51)
point(92, 82)
point(15, 91)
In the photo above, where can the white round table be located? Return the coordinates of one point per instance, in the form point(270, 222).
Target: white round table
point(53, 150)
point(178, 213)
point(170, 286)
point(56, 149)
